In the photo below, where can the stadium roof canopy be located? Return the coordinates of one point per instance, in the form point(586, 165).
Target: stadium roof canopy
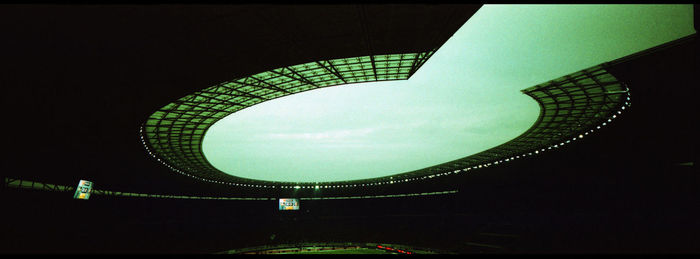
point(83, 90)
point(101, 80)
point(570, 107)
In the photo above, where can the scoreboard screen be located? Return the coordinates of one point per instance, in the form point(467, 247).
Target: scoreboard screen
point(83, 191)
point(289, 204)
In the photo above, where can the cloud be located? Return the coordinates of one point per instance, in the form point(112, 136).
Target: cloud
point(333, 135)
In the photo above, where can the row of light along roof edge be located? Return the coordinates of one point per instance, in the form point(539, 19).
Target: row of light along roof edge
point(490, 153)
point(496, 153)
point(539, 87)
point(439, 37)
point(526, 91)
point(153, 125)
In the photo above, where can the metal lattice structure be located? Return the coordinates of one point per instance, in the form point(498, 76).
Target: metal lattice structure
point(570, 107)
point(174, 133)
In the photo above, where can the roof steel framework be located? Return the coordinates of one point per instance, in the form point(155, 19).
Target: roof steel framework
point(174, 133)
point(570, 107)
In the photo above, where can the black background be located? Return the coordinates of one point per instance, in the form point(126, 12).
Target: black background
point(77, 82)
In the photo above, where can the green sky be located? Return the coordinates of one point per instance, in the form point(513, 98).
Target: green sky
point(464, 100)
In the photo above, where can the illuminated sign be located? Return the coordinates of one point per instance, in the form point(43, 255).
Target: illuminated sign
point(83, 191)
point(289, 204)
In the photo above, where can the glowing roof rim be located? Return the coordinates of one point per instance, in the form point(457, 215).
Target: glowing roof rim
point(175, 131)
point(173, 134)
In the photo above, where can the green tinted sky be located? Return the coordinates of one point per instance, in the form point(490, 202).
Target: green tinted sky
point(464, 100)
